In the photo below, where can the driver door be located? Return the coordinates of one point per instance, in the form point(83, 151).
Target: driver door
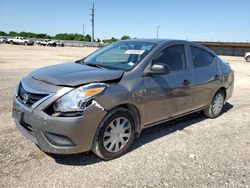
point(169, 94)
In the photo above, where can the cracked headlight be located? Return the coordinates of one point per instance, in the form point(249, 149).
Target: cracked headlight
point(75, 100)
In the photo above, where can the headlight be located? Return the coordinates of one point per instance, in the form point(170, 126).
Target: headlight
point(75, 100)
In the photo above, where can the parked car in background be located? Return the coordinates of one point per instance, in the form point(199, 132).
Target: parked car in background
point(103, 101)
point(20, 40)
point(46, 42)
point(3, 39)
point(59, 43)
point(247, 56)
point(42, 42)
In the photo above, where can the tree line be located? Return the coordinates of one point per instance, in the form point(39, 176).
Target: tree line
point(60, 36)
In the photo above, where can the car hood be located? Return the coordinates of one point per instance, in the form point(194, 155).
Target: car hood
point(74, 74)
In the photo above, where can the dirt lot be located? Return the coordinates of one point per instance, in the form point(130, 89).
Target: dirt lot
point(188, 152)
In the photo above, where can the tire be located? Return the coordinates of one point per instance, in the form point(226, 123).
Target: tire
point(215, 108)
point(25, 43)
point(109, 132)
point(11, 42)
point(248, 58)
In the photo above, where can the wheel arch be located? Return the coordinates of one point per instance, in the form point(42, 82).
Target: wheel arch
point(128, 107)
point(136, 115)
point(224, 90)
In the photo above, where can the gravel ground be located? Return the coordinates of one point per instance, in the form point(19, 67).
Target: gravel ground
point(189, 152)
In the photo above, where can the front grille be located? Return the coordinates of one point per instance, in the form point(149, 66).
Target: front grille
point(28, 98)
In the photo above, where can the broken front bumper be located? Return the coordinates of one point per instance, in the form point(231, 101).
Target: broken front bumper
point(61, 135)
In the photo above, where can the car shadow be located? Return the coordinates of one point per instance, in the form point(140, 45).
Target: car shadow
point(179, 124)
point(147, 135)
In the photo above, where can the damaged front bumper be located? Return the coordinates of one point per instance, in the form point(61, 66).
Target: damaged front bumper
point(60, 135)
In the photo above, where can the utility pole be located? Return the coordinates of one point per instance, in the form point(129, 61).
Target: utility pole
point(157, 32)
point(93, 22)
point(83, 32)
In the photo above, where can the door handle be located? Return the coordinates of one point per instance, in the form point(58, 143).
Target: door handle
point(186, 82)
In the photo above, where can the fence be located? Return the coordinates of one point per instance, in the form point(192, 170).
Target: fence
point(221, 48)
point(228, 48)
point(81, 43)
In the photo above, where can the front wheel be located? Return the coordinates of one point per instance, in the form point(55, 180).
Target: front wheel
point(248, 59)
point(215, 108)
point(115, 134)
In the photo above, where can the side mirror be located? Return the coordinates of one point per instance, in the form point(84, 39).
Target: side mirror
point(158, 68)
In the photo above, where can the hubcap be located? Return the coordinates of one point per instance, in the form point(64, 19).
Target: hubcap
point(117, 134)
point(218, 103)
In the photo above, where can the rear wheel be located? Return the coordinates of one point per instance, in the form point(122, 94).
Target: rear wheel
point(11, 42)
point(215, 108)
point(115, 135)
point(26, 43)
point(248, 59)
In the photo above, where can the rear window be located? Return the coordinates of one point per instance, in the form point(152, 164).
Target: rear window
point(201, 58)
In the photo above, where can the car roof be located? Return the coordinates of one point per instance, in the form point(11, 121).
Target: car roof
point(165, 41)
point(156, 41)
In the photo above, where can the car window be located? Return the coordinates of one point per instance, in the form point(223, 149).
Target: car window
point(117, 54)
point(174, 57)
point(201, 58)
point(123, 55)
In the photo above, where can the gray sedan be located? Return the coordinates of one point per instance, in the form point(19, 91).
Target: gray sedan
point(104, 101)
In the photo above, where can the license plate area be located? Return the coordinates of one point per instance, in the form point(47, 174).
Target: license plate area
point(18, 113)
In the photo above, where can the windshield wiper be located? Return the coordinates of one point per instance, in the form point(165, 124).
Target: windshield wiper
point(95, 65)
point(81, 61)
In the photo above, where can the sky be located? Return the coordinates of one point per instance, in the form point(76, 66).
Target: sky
point(210, 20)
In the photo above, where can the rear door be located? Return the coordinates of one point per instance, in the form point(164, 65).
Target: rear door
point(206, 75)
point(169, 95)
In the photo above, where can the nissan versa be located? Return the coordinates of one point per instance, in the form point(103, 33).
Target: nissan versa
point(102, 102)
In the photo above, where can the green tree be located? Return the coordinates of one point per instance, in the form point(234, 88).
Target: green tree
point(2, 33)
point(87, 38)
point(125, 37)
point(43, 36)
point(72, 36)
point(13, 33)
point(59, 36)
point(113, 39)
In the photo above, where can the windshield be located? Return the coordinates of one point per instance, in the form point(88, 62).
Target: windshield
point(123, 55)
